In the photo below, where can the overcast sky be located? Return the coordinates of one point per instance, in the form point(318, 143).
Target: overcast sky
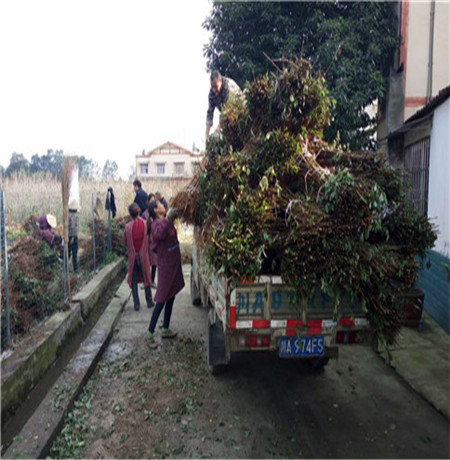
point(104, 79)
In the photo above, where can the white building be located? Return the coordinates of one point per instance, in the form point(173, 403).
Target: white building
point(421, 147)
point(421, 67)
point(413, 130)
point(167, 161)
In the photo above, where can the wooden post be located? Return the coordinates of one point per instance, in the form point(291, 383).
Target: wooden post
point(68, 165)
point(93, 229)
point(3, 248)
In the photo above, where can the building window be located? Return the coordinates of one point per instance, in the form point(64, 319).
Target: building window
point(417, 163)
point(160, 168)
point(144, 168)
point(195, 166)
point(179, 169)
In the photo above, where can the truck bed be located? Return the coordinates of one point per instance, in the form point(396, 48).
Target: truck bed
point(263, 315)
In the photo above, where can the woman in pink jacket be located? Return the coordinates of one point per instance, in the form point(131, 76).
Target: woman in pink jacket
point(170, 274)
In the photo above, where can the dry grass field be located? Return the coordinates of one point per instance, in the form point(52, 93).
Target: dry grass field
point(33, 196)
point(28, 195)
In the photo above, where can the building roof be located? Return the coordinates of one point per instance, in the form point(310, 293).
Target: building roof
point(432, 105)
point(169, 148)
point(423, 114)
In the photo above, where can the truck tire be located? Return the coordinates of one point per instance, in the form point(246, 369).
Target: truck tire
point(215, 345)
point(195, 292)
point(374, 344)
point(318, 363)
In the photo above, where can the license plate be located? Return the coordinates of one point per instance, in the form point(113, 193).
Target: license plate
point(302, 346)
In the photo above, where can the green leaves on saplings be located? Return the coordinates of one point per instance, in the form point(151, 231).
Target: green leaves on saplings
point(275, 198)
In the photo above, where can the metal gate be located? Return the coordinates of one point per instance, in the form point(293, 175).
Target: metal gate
point(417, 163)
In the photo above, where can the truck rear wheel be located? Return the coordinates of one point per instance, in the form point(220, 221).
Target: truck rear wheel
point(215, 345)
point(195, 292)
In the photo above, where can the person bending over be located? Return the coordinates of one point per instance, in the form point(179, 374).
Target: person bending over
point(221, 89)
point(170, 274)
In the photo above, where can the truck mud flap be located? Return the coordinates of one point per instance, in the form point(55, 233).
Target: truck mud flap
point(195, 292)
point(215, 345)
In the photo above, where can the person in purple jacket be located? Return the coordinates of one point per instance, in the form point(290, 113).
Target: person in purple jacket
point(170, 274)
point(152, 256)
point(45, 232)
point(46, 225)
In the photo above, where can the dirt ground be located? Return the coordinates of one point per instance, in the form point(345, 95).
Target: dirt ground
point(163, 403)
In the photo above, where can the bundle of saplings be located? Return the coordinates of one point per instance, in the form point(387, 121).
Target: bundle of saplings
point(272, 197)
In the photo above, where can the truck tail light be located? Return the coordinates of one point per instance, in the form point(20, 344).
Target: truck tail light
point(257, 341)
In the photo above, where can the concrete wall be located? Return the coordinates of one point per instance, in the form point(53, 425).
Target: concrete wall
point(435, 277)
point(392, 117)
point(34, 354)
point(97, 286)
point(418, 51)
point(418, 133)
point(439, 177)
point(29, 361)
point(434, 281)
point(441, 52)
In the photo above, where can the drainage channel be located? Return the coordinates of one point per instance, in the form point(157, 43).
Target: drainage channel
point(14, 425)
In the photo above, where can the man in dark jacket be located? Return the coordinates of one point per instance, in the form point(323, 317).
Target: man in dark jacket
point(162, 200)
point(221, 89)
point(73, 237)
point(141, 196)
point(110, 204)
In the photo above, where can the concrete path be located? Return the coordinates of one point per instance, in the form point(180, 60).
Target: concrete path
point(149, 403)
point(36, 437)
point(262, 407)
point(422, 359)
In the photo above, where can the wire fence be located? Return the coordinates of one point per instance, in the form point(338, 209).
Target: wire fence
point(34, 261)
point(35, 285)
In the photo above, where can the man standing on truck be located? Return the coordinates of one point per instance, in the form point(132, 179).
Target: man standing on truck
point(221, 89)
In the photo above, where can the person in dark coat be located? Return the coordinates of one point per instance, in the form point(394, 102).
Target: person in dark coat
point(111, 202)
point(151, 197)
point(141, 196)
point(73, 237)
point(163, 201)
point(170, 273)
point(136, 240)
point(152, 256)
